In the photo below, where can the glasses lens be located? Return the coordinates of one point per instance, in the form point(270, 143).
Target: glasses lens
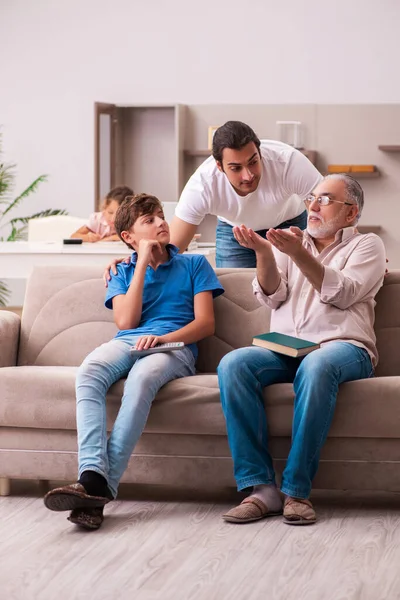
point(324, 200)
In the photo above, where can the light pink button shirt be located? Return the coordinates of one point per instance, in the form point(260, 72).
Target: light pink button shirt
point(98, 224)
point(344, 309)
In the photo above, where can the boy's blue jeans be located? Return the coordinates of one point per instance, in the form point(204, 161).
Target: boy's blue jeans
point(145, 376)
point(242, 376)
point(229, 253)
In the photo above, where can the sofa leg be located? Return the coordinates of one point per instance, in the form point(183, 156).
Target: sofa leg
point(5, 486)
point(43, 486)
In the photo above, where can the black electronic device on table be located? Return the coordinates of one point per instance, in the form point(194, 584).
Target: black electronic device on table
point(73, 241)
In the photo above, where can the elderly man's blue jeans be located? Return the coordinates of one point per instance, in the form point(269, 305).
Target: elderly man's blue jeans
point(242, 376)
point(144, 377)
point(229, 253)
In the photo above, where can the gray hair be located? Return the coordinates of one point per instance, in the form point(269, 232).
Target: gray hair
point(354, 191)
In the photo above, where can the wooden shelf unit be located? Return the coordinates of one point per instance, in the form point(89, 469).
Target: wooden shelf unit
point(358, 174)
point(365, 174)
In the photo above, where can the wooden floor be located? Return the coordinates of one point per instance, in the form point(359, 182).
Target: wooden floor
point(159, 547)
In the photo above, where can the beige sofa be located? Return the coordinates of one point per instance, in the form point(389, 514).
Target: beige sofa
point(184, 442)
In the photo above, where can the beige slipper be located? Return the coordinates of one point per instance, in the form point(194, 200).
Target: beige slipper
point(251, 509)
point(298, 511)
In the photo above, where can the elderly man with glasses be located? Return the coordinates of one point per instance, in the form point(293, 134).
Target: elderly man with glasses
point(320, 285)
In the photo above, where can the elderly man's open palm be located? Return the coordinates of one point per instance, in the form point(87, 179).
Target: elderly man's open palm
point(250, 239)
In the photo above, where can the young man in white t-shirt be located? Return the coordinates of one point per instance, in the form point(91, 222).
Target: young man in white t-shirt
point(245, 182)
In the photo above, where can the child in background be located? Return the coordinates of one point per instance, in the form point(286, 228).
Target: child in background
point(101, 224)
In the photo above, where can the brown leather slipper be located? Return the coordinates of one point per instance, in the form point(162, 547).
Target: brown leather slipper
point(72, 496)
point(87, 518)
point(251, 509)
point(298, 511)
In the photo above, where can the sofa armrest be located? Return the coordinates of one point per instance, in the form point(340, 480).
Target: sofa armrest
point(10, 325)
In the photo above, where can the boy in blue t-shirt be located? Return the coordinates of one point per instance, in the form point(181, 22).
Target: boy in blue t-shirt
point(160, 297)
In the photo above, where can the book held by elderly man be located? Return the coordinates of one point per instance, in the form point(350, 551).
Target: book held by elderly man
point(284, 344)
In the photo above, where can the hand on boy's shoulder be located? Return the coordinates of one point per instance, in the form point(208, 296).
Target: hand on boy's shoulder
point(112, 268)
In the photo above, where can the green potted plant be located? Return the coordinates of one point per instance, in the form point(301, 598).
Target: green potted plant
point(17, 228)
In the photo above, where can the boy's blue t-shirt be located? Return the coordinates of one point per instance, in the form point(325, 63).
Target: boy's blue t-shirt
point(168, 292)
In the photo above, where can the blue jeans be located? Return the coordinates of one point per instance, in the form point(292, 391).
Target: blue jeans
point(242, 376)
point(229, 253)
point(145, 376)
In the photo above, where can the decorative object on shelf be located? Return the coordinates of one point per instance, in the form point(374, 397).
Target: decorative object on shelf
point(211, 130)
point(289, 132)
point(390, 147)
point(355, 170)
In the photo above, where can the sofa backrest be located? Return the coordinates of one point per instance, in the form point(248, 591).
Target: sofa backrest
point(64, 318)
point(387, 326)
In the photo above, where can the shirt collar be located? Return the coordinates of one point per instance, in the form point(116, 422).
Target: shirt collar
point(341, 235)
point(172, 251)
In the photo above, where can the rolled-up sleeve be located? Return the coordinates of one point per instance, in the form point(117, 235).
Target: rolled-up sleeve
point(274, 300)
point(358, 278)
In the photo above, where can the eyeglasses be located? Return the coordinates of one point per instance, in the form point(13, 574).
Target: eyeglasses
point(323, 200)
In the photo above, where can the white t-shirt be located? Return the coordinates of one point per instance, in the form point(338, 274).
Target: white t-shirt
point(287, 177)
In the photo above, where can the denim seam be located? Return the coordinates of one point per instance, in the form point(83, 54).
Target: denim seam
point(294, 492)
point(261, 413)
point(252, 481)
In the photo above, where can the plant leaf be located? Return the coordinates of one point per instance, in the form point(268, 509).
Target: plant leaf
point(49, 212)
point(6, 180)
point(18, 234)
point(29, 190)
point(4, 294)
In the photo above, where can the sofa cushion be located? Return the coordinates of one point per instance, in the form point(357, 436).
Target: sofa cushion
point(44, 398)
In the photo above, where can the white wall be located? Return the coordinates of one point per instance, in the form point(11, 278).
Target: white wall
point(58, 58)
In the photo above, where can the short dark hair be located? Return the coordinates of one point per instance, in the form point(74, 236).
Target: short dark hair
point(118, 194)
point(235, 135)
point(131, 209)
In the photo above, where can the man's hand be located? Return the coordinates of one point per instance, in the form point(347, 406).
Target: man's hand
point(150, 251)
point(148, 341)
point(250, 239)
point(112, 268)
point(93, 237)
point(289, 242)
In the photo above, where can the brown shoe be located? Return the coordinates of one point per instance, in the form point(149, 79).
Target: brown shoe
point(297, 511)
point(251, 509)
point(87, 518)
point(72, 496)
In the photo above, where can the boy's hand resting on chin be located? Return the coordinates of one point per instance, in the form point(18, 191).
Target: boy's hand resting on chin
point(150, 252)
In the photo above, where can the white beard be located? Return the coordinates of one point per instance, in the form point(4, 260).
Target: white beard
point(324, 229)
